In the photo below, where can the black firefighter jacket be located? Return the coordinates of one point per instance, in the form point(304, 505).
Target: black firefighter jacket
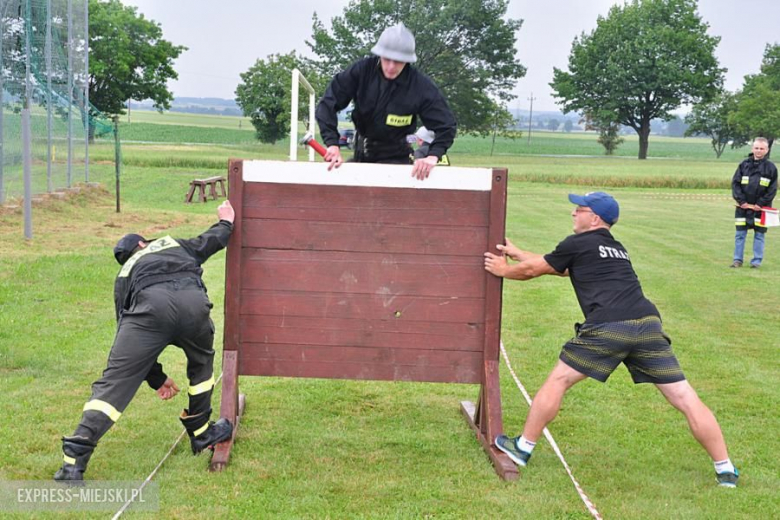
point(754, 182)
point(386, 111)
point(166, 259)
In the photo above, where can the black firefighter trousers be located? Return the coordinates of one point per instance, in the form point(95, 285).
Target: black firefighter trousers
point(169, 313)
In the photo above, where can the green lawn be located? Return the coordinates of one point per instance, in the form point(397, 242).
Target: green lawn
point(354, 449)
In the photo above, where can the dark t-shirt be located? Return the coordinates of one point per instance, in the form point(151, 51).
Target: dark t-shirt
point(600, 270)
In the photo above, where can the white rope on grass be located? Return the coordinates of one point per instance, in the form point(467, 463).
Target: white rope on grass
point(547, 435)
point(154, 471)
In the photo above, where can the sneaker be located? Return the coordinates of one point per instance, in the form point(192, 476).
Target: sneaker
point(737, 263)
point(509, 446)
point(755, 266)
point(728, 479)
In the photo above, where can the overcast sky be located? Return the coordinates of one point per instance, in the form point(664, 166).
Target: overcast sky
point(225, 38)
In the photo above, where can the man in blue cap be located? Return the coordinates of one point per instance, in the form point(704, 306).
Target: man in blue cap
point(621, 326)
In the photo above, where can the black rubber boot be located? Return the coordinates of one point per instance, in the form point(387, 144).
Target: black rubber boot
point(215, 433)
point(77, 451)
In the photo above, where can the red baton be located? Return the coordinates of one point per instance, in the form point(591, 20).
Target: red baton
point(309, 140)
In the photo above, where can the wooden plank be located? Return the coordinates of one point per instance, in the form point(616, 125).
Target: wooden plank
point(221, 456)
point(491, 422)
point(429, 216)
point(364, 237)
point(231, 337)
point(362, 371)
point(437, 309)
point(357, 175)
point(361, 354)
point(230, 406)
point(395, 333)
point(354, 273)
point(269, 195)
point(494, 284)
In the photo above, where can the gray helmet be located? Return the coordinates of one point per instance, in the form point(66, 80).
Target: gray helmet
point(396, 43)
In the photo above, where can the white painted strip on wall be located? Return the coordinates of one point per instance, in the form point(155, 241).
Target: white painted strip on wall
point(364, 174)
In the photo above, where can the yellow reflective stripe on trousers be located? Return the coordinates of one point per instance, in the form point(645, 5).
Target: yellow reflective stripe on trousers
point(202, 388)
point(69, 460)
point(102, 406)
point(201, 429)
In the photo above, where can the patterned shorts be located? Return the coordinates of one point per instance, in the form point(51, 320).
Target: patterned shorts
point(641, 344)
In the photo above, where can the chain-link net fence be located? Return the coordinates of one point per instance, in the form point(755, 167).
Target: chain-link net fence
point(43, 68)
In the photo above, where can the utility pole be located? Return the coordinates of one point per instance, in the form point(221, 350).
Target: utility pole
point(531, 116)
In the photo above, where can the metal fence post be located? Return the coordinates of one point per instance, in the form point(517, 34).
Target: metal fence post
point(86, 91)
point(117, 159)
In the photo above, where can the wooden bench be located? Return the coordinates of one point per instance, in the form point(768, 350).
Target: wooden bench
point(201, 184)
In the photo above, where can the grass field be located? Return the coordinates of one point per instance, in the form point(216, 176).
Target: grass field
point(350, 449)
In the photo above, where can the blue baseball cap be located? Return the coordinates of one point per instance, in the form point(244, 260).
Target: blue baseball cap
point(602, 204)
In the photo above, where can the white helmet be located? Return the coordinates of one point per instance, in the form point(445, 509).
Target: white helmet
point(396, 43)
point(425, 135)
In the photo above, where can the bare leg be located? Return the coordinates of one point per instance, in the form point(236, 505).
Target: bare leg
point(702, 422)
point(548, 400)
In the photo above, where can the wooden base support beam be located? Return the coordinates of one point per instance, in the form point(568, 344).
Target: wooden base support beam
point(505, 468)
point(222, 451)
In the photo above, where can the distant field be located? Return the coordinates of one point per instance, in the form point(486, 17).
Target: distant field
point(560, 143)
point(208, 129)
point(562, 158)
point(206, 142)
point(185, 119)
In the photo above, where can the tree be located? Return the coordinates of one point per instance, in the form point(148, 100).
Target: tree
point(645, 59)
point(128, 58)
point(568, 126)
point(466, 46)
point(553, 124)
point(758, 104)
point(609, 132)
point(712, 119)
point(265, 94)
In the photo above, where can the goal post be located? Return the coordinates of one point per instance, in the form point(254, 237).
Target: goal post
point(297, 80)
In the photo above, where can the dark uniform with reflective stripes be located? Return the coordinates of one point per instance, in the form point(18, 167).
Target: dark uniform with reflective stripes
point(754, 182)
point(621, 325)
point(385, 112)
point(160, 300)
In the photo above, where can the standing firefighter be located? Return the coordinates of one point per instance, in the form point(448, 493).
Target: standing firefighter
point(388, 94)
point(160, 300)
point(753, 186)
